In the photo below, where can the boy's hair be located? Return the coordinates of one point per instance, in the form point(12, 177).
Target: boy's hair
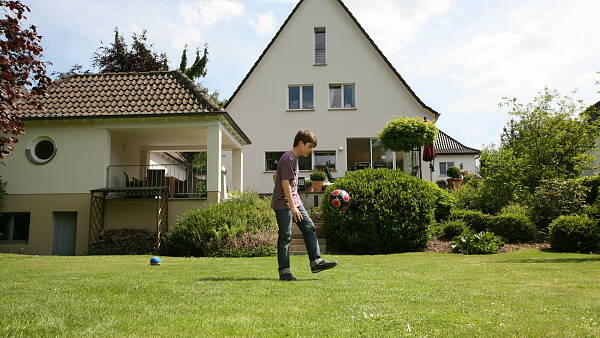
point(305, 136)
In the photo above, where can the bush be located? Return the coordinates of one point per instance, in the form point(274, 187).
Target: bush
point(574, 234)
point(318, 176)
point(204, 232)
point(514, 228)
point(124, 242)
point(592, 183)
point(453, 172)
point(475, 220)
point(472, 243)
point(390, 212)
point(445, 202)
point(516, 209)
point(449, 230)
point(555, 198)
point(406, 134)
point(442, 183)
point(249, 244)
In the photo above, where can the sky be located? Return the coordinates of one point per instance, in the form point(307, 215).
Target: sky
point(461, 57)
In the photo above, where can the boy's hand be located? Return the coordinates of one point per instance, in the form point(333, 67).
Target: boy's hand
point(296, 214)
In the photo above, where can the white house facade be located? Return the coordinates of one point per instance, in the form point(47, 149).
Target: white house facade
point(322, 72)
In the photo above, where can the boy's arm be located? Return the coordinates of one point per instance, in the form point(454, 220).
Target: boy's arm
point(287, 190)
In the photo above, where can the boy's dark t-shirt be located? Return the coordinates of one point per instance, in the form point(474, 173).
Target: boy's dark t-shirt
point(287, 169)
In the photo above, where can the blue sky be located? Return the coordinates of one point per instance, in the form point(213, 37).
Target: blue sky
point(459, 56)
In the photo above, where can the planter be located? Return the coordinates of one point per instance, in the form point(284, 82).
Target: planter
point(309, 188)
point(454, 183)
point(317, 186)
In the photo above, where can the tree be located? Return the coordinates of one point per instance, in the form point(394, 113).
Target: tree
point(22, 71)
point(118, 58)
point(405, 134)
point(198, 70)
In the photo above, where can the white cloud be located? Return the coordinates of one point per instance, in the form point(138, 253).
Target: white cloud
point(209, 12)
point(264, 23)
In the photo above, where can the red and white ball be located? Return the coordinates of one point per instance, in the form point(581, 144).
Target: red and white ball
point(339, 199)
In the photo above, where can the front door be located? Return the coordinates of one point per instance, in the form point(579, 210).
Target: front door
point(65, 229)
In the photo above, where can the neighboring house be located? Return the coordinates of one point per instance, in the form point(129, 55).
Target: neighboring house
point(93, 160)
point(322, 72)
point(450, 153)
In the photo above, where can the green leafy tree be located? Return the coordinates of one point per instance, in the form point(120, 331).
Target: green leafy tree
point(406, 134)
point(198, 70)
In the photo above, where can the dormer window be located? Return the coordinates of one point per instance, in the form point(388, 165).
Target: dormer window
point(320, 46)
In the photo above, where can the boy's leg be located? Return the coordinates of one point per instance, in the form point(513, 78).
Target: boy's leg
point(284, 221)
point(306, 225)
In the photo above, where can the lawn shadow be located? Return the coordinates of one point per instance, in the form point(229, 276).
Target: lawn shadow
point(246, 279)
point(553, 260)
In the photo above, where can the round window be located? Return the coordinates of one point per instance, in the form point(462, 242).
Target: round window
point(41, 150)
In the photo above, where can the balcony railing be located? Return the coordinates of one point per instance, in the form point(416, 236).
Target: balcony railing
point(180, 180)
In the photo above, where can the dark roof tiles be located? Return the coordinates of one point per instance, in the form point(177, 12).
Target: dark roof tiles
point(446, 145)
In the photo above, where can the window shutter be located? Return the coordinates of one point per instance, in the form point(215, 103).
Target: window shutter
point(320, 52)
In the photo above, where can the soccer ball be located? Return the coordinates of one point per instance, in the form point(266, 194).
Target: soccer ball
point(339, 200)
point(155, 261)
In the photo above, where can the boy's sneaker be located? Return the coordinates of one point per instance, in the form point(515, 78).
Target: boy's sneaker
point(322, 266)
point(287, 277)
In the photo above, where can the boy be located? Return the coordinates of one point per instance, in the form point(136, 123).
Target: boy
point(288, 207)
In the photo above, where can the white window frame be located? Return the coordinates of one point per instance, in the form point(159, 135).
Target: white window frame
point(342, 84)
point(287, 94)
point(314, 32)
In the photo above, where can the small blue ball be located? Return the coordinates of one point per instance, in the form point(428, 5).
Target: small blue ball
point(155, 261)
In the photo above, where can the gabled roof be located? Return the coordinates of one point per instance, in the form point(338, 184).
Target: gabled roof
point(446, 145)
point(365, 34)
point(143, 94)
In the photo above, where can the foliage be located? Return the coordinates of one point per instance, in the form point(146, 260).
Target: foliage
point(475, 220)
point(124, 242)
point(556, 197)
point(406, 134)
point(449, 230)
point(442, 183)
point(472, 243)
point(592, 183)
point(308, 183)
point(390, 212)
point(453, 172)
point(514, 228)
point(119, 58)
point(198, 68)
point(201, 232)
point(445, 202)
point(516, 209)
point(248, 244)
point(318, 176)
point(22, 69)
point(549, 136)
point(574, 234)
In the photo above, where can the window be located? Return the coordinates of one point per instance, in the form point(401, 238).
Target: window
point(444, 167)
point(325, 158)
point(342, 96)
point(41, 150)
point(272, 159)
point(320, 46)
point(369, 153)
point(14, 228)
point(301, 97)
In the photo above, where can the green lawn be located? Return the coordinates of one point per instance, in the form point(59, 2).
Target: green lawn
point(523, 293)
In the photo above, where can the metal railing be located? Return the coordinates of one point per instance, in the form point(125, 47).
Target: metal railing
point(180, 180)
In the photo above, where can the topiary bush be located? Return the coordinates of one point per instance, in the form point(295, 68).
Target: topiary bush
point(124, 242)
point(514, 228)
point(406, 134)
point(448, 230)
point(555, 198)
point(390, 211)
point(472, 243)
point(205, 232)
point(475, 220)
point(453, 172)
point(574, 234)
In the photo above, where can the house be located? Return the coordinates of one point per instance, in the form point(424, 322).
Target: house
point(94, 160)
point(322, 71)
point(450, 153)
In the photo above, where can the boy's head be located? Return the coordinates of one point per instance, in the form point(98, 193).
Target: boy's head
point(305, 141)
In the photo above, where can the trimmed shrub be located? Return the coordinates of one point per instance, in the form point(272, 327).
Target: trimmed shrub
point(318, 176)
point(555, 198)
point(124, 242)
point(405, 134)
point(472, 243)
point(475, 220)
point(574, 234)
point(390, 212)
point(453, 172)
point(203, 232)
point(514, 228)
point(445, 202)
point(449, 230)
point(248, 244)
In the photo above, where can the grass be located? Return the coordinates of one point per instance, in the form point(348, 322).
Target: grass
point(522, 293)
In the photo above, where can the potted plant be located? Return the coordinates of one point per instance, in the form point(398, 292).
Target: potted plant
point(317, 179)
point(455, 180)
point(308, 185)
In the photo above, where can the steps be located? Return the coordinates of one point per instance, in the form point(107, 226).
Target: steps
point(297, 246)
